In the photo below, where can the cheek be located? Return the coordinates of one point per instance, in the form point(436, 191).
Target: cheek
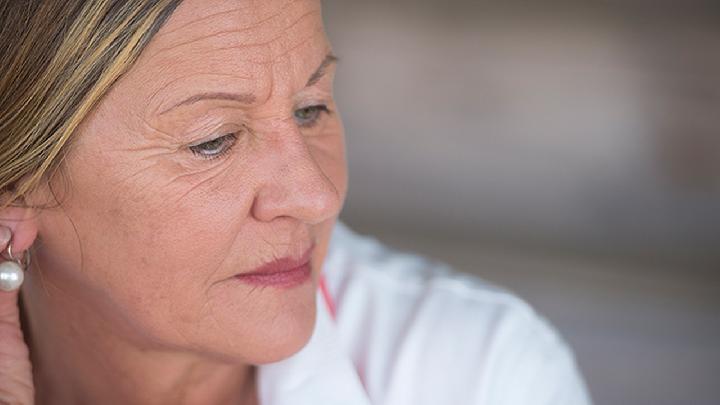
point(157, 237)
point(177, 234)
point(158, 247)
point(153, 241)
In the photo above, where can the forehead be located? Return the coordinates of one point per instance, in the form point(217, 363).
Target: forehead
point(254, 46)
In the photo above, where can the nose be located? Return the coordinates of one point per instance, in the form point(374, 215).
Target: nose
point(293, 183)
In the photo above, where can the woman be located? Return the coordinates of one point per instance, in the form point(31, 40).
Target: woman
point(171, 175)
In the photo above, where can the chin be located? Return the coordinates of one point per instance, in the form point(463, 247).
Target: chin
point(266, 327)
point(286, 335)
point(286, 344)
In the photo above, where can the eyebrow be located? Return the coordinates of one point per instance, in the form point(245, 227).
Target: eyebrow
point(244, 98)
point(247, 98)
point(320, 72)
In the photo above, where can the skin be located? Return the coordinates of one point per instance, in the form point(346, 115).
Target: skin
point(132, 279)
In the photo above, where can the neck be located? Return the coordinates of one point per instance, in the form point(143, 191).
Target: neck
point(81, 357)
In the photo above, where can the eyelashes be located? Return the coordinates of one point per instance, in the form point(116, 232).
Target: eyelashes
point(215, 148)
point(306, 117)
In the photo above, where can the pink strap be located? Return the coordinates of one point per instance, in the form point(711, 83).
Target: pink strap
point(326, 294)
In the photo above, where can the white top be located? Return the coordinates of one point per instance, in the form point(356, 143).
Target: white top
point(409, 330)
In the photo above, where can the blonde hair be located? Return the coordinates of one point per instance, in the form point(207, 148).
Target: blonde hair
point(60, 58)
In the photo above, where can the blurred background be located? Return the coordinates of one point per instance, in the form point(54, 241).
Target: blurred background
point(566, 150)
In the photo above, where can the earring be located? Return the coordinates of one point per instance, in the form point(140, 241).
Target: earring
point(12, 272)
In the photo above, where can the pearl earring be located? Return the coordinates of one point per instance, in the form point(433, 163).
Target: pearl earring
point(12, 272)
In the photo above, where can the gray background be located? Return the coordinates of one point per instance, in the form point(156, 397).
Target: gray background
point(569, 151)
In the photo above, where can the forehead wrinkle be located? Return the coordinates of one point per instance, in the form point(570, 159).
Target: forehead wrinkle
point(282, 9)
point(278, 10)
point(200, 20)
point(276, 52)
point(277, 37)
point(263, 52)
point(301, 42)
point(215, 34)
point(233, 32)
point(203, 19)
point(260, 46)
point(287, 51)
point(197, 61)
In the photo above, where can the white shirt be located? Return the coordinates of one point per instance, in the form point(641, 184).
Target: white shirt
point(403, 329)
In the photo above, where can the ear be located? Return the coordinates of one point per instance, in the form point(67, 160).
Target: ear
point(23, 223)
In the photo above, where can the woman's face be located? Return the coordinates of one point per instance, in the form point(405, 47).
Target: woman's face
point(220, 150)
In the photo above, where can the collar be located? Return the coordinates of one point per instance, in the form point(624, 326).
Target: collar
point(322, 372)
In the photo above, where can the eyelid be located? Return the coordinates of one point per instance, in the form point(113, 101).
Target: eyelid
point(322, 106)
point(219, 133)
point(208, 139)
point(313, 98)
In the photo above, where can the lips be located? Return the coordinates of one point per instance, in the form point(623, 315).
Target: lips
point(281, 265)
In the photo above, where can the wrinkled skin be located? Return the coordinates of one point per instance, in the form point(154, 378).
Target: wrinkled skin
point(132, 274)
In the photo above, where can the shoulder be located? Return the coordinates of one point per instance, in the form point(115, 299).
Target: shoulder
point(419, 332)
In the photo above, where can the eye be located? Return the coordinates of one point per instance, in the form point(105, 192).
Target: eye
point(309, 116)
point(215, 148)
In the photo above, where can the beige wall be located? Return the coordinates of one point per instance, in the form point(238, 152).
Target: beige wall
point(569, 151)
point(585, 127)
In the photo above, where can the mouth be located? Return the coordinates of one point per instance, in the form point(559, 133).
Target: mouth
point(284, 272)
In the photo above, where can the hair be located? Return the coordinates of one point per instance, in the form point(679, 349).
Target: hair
point(59, 59)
